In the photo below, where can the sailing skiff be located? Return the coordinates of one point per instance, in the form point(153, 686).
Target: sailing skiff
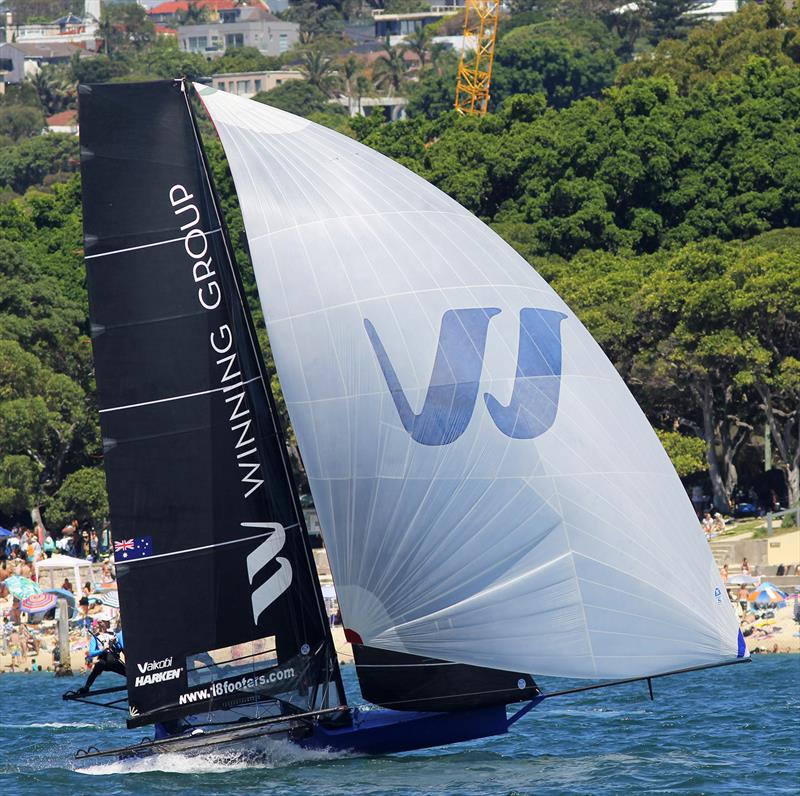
point(494, 503)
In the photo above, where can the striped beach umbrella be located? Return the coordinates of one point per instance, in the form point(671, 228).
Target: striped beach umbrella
point(38, 603)
point(21, 587)
point(109, 598)
point(767, 593)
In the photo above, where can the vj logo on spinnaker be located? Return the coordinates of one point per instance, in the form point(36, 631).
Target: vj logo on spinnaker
point(453, 387)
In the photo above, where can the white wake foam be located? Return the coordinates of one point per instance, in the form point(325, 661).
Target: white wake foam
point(50, 724)
point(268, 754)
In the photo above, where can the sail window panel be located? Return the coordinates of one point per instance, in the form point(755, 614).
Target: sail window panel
point(231, 661)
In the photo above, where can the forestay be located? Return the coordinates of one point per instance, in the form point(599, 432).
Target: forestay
point(489, 491)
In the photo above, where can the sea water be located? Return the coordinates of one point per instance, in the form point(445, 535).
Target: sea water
point(729, 730)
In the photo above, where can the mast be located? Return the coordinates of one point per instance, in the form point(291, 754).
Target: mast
point(220, 600)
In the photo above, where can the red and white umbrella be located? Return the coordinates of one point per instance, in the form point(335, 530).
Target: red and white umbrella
point(37, 603)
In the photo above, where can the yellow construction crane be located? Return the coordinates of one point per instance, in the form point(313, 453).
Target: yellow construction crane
point(475, 69)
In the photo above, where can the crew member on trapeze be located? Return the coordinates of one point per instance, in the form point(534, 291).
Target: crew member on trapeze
point(107, 648)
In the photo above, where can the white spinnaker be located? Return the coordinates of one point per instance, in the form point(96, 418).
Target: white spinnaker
point(575, 553)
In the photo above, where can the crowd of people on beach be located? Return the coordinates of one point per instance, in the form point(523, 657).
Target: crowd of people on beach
point(75, 539)
point(30, 640)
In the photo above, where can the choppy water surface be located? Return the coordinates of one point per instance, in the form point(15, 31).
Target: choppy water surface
point(729, 730)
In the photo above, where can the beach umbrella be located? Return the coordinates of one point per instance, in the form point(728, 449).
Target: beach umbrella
point(21, 587)
point(767, 593)
point(67, 595)
point(109, 598)
point(38, 603)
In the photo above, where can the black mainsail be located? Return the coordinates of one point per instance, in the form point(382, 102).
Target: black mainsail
point(220, 599)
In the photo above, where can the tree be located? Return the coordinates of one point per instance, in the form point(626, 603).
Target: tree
point(434, 93)
point(567, 61)
point(350, 69)
point(723, 49)
point(195, 14)
point(98, 69)
point(245, 59)
point(32, 159)
point(83, 495)
point(295, 96)
point(164, 59)
point(55, 88)
point(125, 27)
point(19, 121)
point(417, 42)
point(319, 70)
point(687, 453)
point(671, 19)
point(391, 68)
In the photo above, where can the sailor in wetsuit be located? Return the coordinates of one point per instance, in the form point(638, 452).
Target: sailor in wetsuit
point(107, 648)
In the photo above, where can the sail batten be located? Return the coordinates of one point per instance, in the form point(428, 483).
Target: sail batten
point(489, 491)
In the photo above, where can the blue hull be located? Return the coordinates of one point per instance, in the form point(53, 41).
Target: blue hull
point(380, 732)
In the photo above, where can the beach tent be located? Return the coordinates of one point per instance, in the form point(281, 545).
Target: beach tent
point(50, 572)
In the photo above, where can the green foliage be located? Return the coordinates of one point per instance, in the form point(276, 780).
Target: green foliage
point(686, 452)
point(295, 96)
point(83, 495)
point(126, 28)
point(244, 59)
point(20, 121)
point(98, 69)
point(642, 168)
point(31, 160)
point(670, 19)
point(724, 49)
point(566, 61)
point(435, 92)
point(164, 59)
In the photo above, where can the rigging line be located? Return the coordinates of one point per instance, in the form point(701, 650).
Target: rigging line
point(198, 549)
point(595, 686)
point(648, 678)
point(145, 245)
point(178, 397)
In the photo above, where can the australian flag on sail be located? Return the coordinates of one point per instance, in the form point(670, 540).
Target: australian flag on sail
point(131, 549)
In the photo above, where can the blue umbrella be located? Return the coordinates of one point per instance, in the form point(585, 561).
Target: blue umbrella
point(4, 532)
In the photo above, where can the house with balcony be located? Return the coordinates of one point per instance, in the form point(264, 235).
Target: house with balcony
point(244, 26)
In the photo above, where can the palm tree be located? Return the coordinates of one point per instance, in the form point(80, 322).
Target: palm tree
point(417, 42)
point(349, 70)
point(195, 14)
point(390, 68)
point(319, 70)
point(56, 91)
point(363, 89)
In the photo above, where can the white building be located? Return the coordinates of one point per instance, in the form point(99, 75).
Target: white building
point(240, 27)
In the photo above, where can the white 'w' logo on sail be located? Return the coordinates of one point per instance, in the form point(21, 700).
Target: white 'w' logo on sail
point(277, 583)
